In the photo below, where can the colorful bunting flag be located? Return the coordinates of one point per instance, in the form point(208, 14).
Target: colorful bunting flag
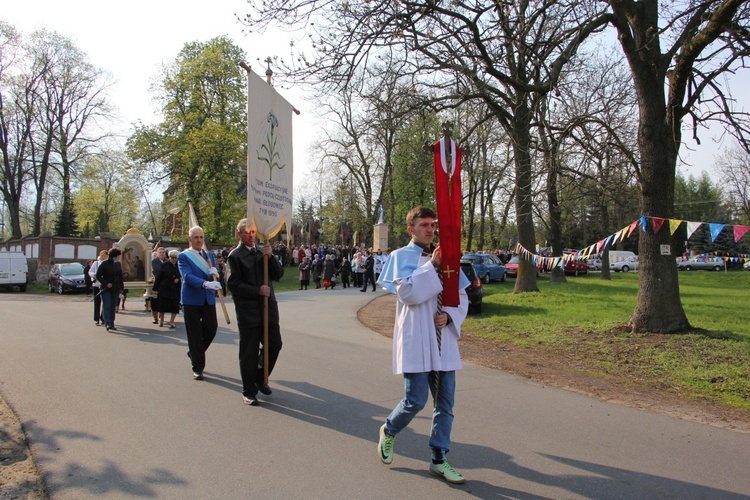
point(674, 224)
point(656, 223)
point(632, 227)
point(739, 232)
point(692, 227)
point(715, 230)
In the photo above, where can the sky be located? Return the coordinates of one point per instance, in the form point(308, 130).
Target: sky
point(131, 40)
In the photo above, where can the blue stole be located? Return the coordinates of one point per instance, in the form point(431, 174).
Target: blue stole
point(402, 263)
point(197, 259)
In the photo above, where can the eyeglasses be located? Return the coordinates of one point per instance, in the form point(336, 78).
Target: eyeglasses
point(173, 258)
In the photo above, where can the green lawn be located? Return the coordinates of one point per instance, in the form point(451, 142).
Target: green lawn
point(585, 316)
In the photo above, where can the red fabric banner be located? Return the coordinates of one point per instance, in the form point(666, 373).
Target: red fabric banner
point(448, 197)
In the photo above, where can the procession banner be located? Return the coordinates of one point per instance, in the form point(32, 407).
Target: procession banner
point(269, 158)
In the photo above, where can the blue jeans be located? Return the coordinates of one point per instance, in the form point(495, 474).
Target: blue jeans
point(417, 391)
point(109, 303)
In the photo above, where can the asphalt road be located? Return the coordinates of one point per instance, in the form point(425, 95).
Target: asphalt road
point(118, 415)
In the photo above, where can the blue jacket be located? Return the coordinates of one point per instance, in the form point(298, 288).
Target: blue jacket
point(193, 277)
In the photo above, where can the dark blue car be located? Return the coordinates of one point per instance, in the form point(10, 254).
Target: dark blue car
point(488, 266)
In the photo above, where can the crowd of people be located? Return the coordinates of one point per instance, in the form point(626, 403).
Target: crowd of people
point(328, 266)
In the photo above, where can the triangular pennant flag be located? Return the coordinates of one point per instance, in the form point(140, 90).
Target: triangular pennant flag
point(739, 232)
point(599, 245)
point(674, 224)
point(606, 242)
point(657, 223)
point(623, 232)
point(715, 230)
point(692, 227)
point(632, 227)
point(643, 223)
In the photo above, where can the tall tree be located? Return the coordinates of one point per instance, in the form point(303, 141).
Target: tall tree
point(54, 97)
point(106, 199)
point(198, 150)
point(504, 54)
point(15, 129)
point(678, 54)
point(734, 168)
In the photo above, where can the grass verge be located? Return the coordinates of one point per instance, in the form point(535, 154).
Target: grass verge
point(583, 321)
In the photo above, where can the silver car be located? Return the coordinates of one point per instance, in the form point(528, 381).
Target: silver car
point(707, 264)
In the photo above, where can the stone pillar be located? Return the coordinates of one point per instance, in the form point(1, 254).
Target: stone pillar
point(380, 237)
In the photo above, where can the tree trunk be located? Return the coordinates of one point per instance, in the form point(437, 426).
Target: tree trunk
point(658, 308)
point(520, 133)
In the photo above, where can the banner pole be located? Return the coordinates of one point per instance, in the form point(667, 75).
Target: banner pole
point(265, 322)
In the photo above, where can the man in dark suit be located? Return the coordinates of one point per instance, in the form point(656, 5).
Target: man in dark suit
point(369, 276)
point(109, 275)
point(198, 293)
point(248, 291)
point(156, 262)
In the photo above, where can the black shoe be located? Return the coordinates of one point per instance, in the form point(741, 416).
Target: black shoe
point(250, 400)
point(113, 328)
point(198, 375)
point(155, 321)
point(263, 388)
point(363, 290)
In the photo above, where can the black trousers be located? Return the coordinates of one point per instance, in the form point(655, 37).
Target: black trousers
point(97, 304)
point(201, 325)
point(251, 360)
point(368, 277)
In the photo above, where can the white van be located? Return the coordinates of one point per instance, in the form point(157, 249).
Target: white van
point(14, 270)
point(622, 260)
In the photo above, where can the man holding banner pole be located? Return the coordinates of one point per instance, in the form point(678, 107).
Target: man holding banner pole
point(269, 180)
point(250, 270)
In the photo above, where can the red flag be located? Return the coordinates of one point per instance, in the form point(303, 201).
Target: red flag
point(657, 223)
point(448, 196)
point(739, 232)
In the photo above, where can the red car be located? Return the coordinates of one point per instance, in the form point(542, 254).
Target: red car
point(576, 267)
point(511, 267)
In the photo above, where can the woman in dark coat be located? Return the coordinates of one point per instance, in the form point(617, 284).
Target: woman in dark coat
point(304, 273)
point(329, 271)
point(346, 271)
point(167, 284)
point(317, 271)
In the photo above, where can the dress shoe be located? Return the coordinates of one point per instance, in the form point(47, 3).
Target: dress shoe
point(263, 388)
point(113, 328)
point(198, 375)
point(155, 321)
point(250, 400)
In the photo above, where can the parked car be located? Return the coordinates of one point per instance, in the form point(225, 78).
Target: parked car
point(629, 264)
point(66, 278)
point(511, 267)
point(707, 264)
point(487, 266)
point(474, 290)
point(576, 267)
point(595, 264)
point(746, 267)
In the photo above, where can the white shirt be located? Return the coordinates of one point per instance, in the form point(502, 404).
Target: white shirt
point(415, 348)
